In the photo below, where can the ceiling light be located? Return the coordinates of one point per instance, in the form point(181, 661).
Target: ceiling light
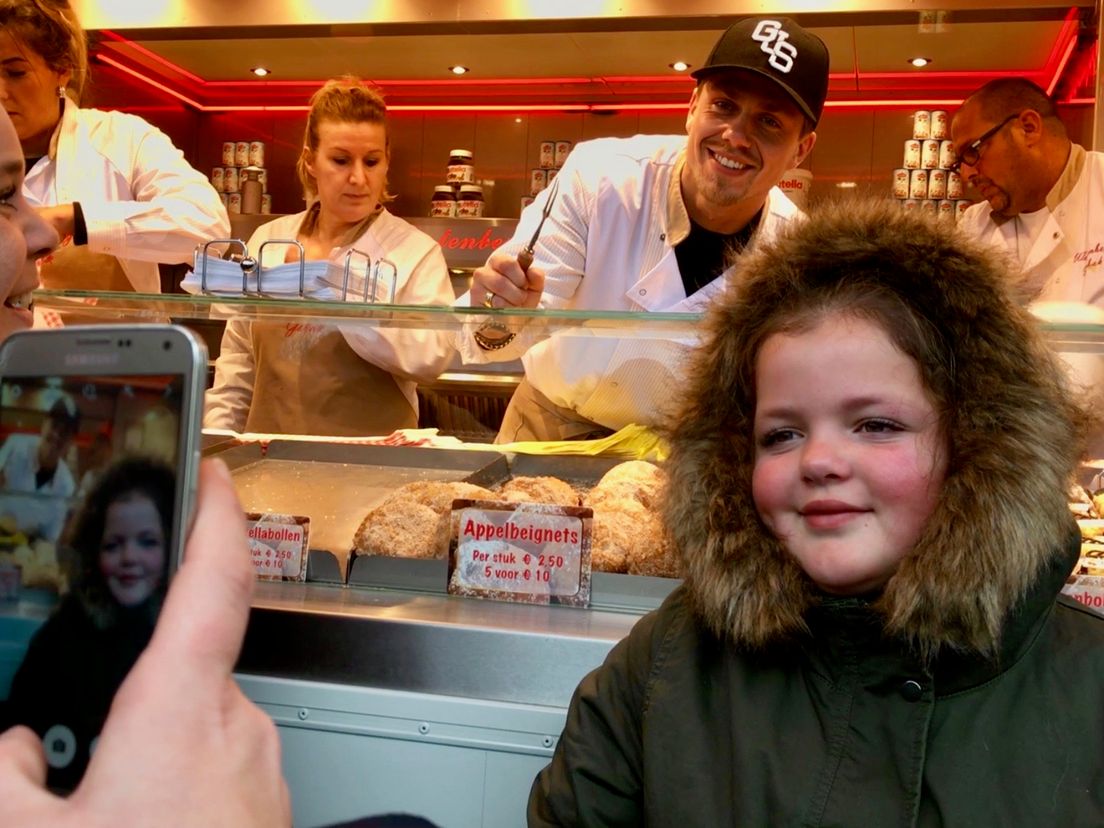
point(846, 185)
point(920, 62)
point(458, 69)
point(679, 65)
point(260, 71)
point(517, 120)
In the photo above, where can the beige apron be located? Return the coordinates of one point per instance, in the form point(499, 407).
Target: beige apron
point(309, 381)
point(77, 268)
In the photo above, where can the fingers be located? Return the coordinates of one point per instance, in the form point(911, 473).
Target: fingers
point(21, 756)
point(207, 607)
point(511, 285)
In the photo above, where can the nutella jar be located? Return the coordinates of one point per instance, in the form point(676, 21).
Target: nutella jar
point(443, 204)
point(256, 153)
point(228, 153)
point(538, 180)
point(900, 183)
point(939, 124)
point(461, 170)
point(946, 154)
point(937, 184)
point(921, 124)
point(547, 154)
point(954, 186)
point(469, 204)
point(947, 210)
point(217, 179)
point(266, 204)
point(929, 154)
point(912, 154)
point(918, 184)
point(230, 180)
point(241, 154)
point(561, 153)
point(234, 202)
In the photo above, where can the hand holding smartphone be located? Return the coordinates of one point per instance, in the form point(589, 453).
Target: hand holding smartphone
point(98, 457)
point(182, 743)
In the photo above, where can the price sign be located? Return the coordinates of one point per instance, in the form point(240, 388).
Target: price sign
point(279, 544)
point(528, 552)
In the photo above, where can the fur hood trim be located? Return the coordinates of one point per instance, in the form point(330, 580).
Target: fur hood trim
point(1014, 433)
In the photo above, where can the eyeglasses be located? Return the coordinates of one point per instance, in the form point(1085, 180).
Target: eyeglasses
point(972, 152)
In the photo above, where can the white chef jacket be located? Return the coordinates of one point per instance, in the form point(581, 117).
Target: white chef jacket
point(607, 246)
point(1066, 261)
point(142, 202)
point(410, 354)
point(39, 511)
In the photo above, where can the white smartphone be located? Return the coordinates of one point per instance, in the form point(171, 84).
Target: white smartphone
point(99, 454)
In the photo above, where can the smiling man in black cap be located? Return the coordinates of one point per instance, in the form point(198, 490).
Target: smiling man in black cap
point(651, 223)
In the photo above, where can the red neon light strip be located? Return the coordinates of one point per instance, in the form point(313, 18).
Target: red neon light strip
point(1069, 30)
point(1062, 64)
point(153, 56)
point(121, 67)
point(441, 82)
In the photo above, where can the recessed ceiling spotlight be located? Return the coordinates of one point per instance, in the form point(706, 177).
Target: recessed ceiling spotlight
point(846, 185)
point(517, 120)
point(458, 69)
point(679, 65)
point(260, 71)
point(920, 62)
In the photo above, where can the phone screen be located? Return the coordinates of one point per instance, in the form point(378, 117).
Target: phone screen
point(89, 489)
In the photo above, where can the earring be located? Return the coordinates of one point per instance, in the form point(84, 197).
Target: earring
point(61, 91)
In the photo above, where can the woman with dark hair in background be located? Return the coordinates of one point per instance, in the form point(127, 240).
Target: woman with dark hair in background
point(119, 194)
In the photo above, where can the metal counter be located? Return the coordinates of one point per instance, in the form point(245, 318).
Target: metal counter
point(440, 706)
point(420, 643)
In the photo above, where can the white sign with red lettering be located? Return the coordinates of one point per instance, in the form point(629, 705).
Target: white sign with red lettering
point(279, 544)
point(532, 553)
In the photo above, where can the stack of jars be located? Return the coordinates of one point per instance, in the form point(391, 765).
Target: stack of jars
point(242, 180)
point(553, 154)
point(926, 181)
point(460, 196)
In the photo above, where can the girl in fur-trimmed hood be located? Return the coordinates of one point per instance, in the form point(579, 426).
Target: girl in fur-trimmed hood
point(867, 488)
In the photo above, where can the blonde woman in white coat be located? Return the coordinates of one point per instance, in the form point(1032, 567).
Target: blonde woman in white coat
point(303, 378)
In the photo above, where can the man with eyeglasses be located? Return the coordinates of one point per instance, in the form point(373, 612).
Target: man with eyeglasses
point(1043, 195)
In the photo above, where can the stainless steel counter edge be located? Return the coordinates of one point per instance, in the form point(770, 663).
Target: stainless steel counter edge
point(528, 654)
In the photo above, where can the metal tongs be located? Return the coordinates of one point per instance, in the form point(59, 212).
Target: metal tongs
point(525, 257)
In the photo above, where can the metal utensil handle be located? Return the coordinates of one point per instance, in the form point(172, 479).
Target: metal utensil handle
point(352, 251)
point(202, 251)
point(524, 259)
point(394, 279)
point(302, 262)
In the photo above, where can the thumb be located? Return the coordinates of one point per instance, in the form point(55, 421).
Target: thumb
point(23, 777)
point(207, 607)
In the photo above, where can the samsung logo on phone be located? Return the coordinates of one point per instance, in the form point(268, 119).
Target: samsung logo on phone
point(88, 360)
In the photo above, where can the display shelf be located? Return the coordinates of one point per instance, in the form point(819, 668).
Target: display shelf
point(111, 306)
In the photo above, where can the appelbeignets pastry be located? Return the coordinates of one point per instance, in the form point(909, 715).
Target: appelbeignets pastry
point(539, 490)
point(638, 479)
point(413, 521)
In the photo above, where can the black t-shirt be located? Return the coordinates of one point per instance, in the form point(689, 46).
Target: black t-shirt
point(703, 255)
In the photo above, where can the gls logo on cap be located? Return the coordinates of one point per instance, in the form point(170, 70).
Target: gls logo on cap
point(769, 33)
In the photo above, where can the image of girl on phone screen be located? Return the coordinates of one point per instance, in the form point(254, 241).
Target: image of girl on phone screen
point(118, 543)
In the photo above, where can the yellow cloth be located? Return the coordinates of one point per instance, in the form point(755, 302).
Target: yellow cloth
point(633, 442)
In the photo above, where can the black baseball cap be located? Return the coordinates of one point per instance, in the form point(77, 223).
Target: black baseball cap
point(778, 49)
